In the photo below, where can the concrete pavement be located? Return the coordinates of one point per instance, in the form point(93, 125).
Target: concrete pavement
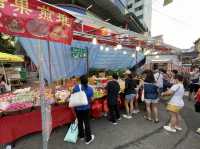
point(136, 133)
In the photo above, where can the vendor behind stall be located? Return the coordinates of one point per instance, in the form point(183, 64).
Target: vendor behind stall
point(3, 84)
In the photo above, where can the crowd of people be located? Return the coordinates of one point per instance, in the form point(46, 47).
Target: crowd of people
point(154, 86)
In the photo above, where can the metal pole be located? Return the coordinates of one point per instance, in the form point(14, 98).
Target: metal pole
point(49, 54)
point(42, 96)
point(87, 61)
point(136, 57)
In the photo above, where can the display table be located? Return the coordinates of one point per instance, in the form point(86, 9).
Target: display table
point(16, 126)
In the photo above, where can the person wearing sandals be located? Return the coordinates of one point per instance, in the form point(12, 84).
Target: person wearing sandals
point(175, 104)
point(130, 94)
point(151, 92)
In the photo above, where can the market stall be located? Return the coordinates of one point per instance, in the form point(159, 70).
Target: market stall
point(33, 19)
point(12, 75)
point(30, 122)
point(25, 103)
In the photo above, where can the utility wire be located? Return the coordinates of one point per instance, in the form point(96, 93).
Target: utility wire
point(172, 18)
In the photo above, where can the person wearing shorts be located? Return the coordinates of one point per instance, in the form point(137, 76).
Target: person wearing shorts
point(194, 85)
point(175, 104)
point(130, 94)
point(151, 92)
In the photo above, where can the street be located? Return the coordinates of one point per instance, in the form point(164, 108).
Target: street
point(136, 133)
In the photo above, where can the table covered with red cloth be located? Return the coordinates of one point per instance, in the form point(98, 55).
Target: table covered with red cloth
point(16, 126)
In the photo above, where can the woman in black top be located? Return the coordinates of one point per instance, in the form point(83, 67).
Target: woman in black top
point(130, 94)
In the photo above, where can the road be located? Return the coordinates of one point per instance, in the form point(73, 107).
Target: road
point(136, 133)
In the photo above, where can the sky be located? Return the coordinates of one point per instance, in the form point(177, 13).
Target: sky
point(178, 22)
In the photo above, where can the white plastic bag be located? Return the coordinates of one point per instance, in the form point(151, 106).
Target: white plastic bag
point(78, 99)
point(72, 133)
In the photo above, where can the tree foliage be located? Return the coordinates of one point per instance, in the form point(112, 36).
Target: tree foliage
point(7, 44)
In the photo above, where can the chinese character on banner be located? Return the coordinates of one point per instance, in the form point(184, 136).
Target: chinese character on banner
point(35, 19)
point(45, 13)
point(21, 6)
point(2, 3)
point(63, 19)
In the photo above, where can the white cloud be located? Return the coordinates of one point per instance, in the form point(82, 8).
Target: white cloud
point(179, 22)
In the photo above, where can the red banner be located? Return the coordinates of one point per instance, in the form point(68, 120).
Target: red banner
point(35, 19)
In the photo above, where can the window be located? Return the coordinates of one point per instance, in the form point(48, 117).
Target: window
point(130, 6)
point(139, 8)
point(124, 2)
point(136, 1)
point(140, 17)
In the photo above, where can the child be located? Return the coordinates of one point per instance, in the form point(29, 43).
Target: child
point(175, 104)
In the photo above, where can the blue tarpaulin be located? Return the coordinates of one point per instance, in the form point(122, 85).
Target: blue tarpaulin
point(63, 65)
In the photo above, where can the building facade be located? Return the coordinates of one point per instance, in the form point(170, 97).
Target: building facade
point(197, 45)
point(142, 9)
point(112, 11)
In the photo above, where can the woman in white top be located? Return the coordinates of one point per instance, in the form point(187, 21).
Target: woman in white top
point(175, 104)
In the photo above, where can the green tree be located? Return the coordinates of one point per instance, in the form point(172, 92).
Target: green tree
point(7, 44)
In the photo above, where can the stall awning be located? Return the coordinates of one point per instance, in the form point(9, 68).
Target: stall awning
point(4, 57)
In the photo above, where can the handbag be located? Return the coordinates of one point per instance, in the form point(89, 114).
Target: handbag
point(72, 133)
point(168, 97)
point(78, 99)
point(197, 107)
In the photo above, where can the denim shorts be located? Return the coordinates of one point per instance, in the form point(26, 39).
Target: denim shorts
point(130, 97)
point(151, 100)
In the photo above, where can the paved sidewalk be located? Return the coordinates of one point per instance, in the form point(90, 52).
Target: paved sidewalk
point(127, 134)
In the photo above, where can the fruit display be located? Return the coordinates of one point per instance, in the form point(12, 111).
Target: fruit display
point(19, 106)
point(22, 91)
point(6, 97)
point(99, 93)
point(23, 97)
point(29, 97)
point(4, 106)
point(26, 98)
point(62, 96)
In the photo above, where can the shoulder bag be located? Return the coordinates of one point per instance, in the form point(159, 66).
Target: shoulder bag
point(168, 97)
point(78, 99)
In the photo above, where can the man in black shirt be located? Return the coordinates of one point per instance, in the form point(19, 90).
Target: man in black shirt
point(113, 89)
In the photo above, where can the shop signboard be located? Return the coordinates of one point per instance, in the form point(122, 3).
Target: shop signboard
point(35, 19)
point(79, 52)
